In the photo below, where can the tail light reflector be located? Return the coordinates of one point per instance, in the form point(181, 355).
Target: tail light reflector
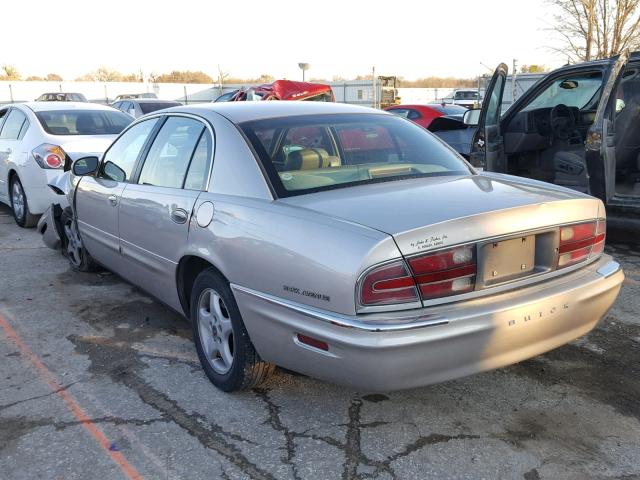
point(388, 284)
point(581, 241)
point(444, 273)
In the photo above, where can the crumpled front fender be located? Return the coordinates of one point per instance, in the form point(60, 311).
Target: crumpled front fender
point(49, 227)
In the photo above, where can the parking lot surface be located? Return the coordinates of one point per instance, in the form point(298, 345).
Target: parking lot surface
point(100, 381)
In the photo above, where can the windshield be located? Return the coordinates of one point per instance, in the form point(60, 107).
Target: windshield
point(83, 122)
point(574, 91)
point(320, 152)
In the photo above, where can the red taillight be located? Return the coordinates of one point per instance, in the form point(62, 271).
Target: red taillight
point(449, 272)
point(388, 284)
point(53, 161)
point(581, 241)
point(49, 156)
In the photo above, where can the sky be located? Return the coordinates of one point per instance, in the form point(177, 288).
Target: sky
point(247, 38)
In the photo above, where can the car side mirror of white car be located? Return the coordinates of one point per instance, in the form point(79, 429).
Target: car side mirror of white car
point(471, 117)
point(85, 166)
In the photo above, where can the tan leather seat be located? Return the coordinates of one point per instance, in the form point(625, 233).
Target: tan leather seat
point(309, 159)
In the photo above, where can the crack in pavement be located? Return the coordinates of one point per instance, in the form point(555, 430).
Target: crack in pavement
point(351, 447)
point(18, 402)
point(121, 363)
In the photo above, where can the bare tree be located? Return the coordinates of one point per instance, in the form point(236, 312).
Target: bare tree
point(10, 73)
point(594, 29)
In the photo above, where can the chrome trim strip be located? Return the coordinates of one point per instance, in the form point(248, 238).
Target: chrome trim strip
point(609, 269)
point(346, 321)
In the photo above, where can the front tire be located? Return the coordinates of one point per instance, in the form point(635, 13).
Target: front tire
point(20, 205)
point(222, 342)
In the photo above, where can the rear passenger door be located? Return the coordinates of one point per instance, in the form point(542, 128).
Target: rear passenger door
point(4, 186)
point(12, 130)
point(155, 211)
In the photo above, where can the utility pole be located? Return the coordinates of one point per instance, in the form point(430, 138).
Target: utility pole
point(373, 85)
point(513, 80)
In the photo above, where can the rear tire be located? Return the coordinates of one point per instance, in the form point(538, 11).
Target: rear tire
point(72, 247)
point(225, 351)
point(20, 205)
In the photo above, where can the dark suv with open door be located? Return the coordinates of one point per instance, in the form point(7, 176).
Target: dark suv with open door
point(578, 127)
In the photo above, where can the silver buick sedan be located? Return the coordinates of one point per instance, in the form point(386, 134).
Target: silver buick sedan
point(337, 241)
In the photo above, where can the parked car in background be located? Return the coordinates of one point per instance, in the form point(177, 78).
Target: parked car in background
point(38, 139)
point(61, 97)
point(577, 127)
point(126, 96)
point(465, 97)
point(226, 97)
point(141, 106)
point(283, 90)
point(339, 241)
point(423, 115)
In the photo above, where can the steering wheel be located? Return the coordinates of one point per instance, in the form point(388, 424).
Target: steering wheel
point(562, 121)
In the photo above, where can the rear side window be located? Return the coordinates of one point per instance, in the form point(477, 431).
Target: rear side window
point(171, 153)
point(200, 162)
point(13, 125)
point(83, 122)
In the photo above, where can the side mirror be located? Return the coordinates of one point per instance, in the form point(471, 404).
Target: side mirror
point(85, 166)
point(471, 117)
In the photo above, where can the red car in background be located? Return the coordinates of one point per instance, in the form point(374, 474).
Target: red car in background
point(281, 90)
point(423, 115)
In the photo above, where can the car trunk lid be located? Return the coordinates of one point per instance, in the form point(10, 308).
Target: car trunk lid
point(433, 213)
point(78, 146)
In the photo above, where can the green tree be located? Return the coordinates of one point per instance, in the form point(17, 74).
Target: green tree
point(53, 77)
point(34, 78)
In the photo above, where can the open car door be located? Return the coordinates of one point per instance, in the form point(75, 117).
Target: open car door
point(601, 140)
point(487, 148)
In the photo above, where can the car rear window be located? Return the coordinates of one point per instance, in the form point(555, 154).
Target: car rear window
point(148, 107)
point(83, 122)
point(450, 109)
point(311, 153)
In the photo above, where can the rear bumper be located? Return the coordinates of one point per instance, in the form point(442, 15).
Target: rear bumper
point(379, 352)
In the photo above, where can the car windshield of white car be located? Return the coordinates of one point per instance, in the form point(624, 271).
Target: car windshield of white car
point(304, 154)
point(83, 122)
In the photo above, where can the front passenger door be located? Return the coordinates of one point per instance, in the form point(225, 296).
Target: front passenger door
point(97, 199)
point(155, 212)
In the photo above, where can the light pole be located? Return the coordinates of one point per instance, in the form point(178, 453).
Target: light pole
point(304, 67)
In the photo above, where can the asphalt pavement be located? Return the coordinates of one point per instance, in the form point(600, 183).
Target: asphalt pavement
point(99, 381)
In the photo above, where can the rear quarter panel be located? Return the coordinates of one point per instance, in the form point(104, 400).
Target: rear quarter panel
point(289, 252)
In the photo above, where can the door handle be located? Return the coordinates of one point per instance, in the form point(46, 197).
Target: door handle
point(113, 200)
point(179, 215)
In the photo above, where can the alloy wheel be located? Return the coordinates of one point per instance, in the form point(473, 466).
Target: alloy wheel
point(17, 200)
point(74, 245)
point(216, 331)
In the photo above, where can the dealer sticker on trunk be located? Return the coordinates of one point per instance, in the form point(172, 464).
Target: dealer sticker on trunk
point(432, 241)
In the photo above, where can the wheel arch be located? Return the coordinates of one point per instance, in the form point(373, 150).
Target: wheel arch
point(189, 267)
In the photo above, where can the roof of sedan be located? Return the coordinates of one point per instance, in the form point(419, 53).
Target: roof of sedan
point(239, 112)
point(52, 106)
